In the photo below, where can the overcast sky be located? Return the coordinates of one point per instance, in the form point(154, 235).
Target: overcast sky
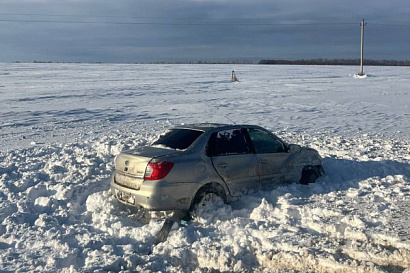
point(191, 30)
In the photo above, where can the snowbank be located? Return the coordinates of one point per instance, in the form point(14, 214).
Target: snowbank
point(57, 215)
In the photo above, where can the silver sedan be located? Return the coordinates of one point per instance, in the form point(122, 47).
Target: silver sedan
point(192, 165)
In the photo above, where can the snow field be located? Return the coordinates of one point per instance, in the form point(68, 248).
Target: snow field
point(57, 214)
point(55, 103)
point(62, 124)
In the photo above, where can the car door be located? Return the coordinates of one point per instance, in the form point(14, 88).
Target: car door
point(274, 162)
point(234, 161)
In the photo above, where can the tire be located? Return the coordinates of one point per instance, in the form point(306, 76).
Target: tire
point(206, 200)
point(308, 176)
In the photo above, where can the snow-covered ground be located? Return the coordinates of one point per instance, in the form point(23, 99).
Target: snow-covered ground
point(62, 124)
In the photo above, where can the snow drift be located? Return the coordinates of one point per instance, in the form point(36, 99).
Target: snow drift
point(63, 124)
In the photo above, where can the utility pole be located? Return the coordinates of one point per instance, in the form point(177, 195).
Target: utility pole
point(362, 24)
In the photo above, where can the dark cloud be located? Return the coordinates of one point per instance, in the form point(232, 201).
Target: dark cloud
point(201, 30)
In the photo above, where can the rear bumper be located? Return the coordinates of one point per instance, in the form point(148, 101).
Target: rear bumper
point(156, 195)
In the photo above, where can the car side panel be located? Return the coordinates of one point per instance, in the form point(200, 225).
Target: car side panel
point(240, 172)
point(275, 169)
point(191, 171)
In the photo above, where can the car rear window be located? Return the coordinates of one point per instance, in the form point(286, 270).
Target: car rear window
point(178, 139)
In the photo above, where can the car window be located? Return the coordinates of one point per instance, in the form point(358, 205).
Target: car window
point(178, 139)
point(228, 142)
point(263, 142)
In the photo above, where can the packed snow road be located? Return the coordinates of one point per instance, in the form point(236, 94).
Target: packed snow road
point(62, 124)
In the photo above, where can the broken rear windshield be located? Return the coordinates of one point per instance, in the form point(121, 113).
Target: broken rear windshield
point(178, 139)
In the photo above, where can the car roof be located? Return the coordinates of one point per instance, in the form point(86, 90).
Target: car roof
point(212, 126)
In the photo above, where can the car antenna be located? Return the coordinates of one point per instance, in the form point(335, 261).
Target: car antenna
point(230, 119)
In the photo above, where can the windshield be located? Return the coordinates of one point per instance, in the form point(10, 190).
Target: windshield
point(178, 139)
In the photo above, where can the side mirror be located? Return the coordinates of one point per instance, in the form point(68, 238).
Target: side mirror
point(294, 148)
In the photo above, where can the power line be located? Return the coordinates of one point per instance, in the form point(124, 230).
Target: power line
point(90, 16)
point(143, 17)
point(169, 23)
point(393, 24)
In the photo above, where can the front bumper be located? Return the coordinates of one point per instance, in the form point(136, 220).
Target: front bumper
point(156, 195)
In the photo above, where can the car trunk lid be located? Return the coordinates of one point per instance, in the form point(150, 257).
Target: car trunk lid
point(130, 165)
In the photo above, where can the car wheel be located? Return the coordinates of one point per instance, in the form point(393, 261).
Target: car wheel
point(206, 200)
point(308, 176)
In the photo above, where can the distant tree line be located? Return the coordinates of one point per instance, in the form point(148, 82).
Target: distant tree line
point(51, 62)
point(279, 62)
point(159, 62)
point(338, 62)
point(207, 62)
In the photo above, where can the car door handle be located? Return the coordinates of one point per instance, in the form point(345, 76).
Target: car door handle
point(263, 161)
point(222, 165)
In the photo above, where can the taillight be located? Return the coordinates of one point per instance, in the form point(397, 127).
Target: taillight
point(157, 170)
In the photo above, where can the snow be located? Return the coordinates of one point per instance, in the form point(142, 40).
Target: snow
point(62, 124)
